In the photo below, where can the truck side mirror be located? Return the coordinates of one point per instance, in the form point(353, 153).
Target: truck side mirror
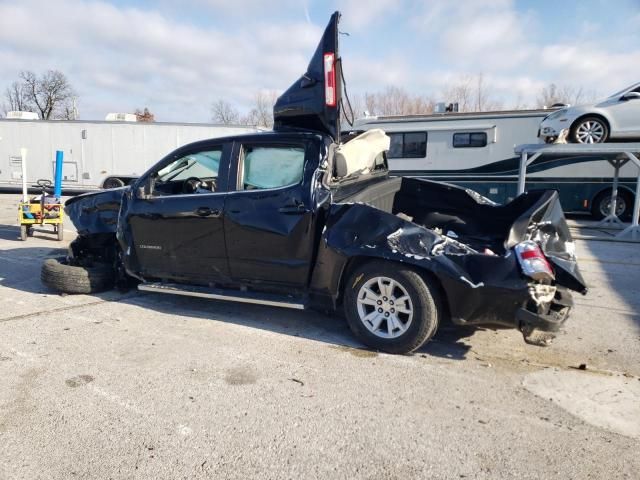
point(143, 191)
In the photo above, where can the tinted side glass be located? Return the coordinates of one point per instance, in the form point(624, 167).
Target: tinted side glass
point(470, 140)
point(270, 166)
point(408, 145)
point(395, 149)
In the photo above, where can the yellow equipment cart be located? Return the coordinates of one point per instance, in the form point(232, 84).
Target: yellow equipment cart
point(43, 210)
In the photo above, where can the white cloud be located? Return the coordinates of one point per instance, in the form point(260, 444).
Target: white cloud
point(518, 55)
point(358, 16)
point(128, 57)
point(176, 58)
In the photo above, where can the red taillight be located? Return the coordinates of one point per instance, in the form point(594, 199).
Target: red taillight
point(329, 79)
point(533, 262)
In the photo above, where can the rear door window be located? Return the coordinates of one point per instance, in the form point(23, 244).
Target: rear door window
point(270, 166)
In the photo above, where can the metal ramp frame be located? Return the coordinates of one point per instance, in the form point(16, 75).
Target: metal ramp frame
point(617, 154)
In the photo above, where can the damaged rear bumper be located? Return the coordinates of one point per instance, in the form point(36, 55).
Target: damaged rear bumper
point(549, 321)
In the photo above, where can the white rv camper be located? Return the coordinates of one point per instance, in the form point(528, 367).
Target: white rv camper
point(97, 154)
point(476, 150)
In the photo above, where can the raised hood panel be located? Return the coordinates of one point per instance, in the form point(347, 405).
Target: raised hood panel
point(304, 105)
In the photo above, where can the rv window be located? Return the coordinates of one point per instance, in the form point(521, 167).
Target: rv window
point(408, 145)
point(469, 140)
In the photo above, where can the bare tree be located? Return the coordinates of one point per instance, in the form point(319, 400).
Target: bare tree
point(144, 115)
point(394, 101)
point(16, 98)
point(460, 93)
point(225, 113)
point(261, 114)
point(50, 94)
point(472, 94)
point(519, 103)
point(552, 94)
point(353, 109)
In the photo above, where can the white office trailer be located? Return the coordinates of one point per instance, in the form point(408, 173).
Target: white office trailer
point(476, 150)
point(97, 154)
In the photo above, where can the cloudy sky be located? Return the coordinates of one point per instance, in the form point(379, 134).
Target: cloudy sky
point(178, 57)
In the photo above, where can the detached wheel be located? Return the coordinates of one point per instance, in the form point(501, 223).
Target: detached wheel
point(590, 130)
point(601, 204)
point(58, 275)
point(390, 307)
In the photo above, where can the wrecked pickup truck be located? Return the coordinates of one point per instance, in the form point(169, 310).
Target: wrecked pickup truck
point(302, 218)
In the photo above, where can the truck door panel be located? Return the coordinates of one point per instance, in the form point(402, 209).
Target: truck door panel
point(179, 235)
point(269, 220)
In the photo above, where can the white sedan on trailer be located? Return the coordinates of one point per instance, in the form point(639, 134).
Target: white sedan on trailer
point(616, 117)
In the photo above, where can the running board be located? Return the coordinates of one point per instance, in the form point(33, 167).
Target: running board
point(273, 300)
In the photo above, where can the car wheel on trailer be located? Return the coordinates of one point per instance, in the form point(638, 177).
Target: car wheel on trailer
point(390, 307)
point(59, 275)
point(601, 204)
point(113, 182)
point(590, 130)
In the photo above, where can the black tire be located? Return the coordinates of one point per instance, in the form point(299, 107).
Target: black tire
point(574, 135)
point(599, 209)
point(113, 182)
point(24, 232)
point(425, 300)
point(58, 275)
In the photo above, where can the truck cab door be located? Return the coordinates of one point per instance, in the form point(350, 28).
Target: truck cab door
point(269, 220)
point(174, 219)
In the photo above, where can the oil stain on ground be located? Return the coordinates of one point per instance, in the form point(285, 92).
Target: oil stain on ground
point(78, 381)
point(356, 352)
point(240, 376)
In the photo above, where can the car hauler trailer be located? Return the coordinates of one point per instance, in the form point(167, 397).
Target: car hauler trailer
point(615, 156)
point(476, 151)
point(97, 154)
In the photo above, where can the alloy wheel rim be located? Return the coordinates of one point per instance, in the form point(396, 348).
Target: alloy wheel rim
point(590, 132)
point(385, 307)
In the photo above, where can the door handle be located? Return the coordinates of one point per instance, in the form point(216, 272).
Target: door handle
point(297, 209)
point(208, 212)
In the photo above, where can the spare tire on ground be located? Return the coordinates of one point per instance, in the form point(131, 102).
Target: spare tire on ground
point(58, 275)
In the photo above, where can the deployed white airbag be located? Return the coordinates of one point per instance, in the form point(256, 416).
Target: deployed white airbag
point(360, 154)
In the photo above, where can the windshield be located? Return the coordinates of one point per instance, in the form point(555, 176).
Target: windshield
point(630, 87)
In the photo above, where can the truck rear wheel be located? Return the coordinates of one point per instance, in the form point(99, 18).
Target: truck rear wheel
point(58, 275)
point(390, 307)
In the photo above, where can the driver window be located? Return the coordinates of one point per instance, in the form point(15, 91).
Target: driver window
point(195, 173)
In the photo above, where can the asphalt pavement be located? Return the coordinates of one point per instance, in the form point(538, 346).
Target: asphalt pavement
point(141, 385)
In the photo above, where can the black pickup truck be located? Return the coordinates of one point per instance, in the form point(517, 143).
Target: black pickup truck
point(303, 217)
